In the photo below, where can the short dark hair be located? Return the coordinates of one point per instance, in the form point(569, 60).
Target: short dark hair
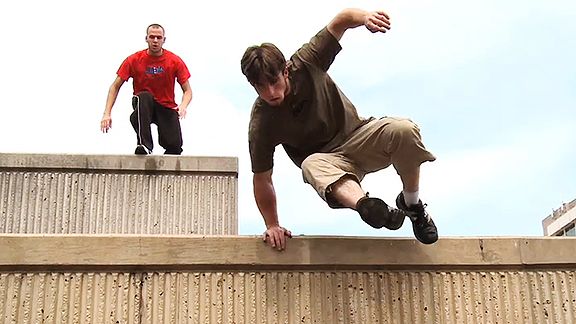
point(262, 62)
point(154, 26)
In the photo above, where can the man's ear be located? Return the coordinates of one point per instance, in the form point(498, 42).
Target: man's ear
point(285, 72)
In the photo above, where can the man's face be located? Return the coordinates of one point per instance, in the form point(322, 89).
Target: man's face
point(155, 40)
point(273, 93)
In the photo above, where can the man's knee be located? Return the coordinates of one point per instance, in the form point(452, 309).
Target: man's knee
point(405, 128)
point(403, 134)
point(406, 147)
point(310, 165)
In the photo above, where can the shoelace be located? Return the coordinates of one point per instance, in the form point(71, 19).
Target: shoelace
point(419, 212)
point(426, 215)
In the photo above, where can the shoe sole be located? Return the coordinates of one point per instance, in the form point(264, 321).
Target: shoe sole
point(375, 212)
point(429, 240)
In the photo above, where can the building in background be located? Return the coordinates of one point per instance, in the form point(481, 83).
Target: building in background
point(562, 221)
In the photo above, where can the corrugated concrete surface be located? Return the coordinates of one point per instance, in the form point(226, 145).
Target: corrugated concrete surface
point(289, 297)
point(163, 279)
point(70, 194)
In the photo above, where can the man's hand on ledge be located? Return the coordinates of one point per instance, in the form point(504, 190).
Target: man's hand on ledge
point(276, 236)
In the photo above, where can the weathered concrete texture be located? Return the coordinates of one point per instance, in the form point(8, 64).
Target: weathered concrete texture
point(289, 297)
point(148, 279)
point(73, 194)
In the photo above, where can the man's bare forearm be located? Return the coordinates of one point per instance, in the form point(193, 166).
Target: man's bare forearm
point(345, 19)
point(186, 98)
point(265, 196)
point(110, 100)
point(374, 21)
point(186, 95)
point(112, 95)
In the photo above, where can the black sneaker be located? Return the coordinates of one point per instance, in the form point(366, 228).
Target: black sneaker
point(141, 150)
point(376, 213)
point(424, 228)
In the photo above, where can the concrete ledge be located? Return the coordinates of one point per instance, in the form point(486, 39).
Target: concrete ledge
point(119, 162)
point(117, 194)
point(240, 252)
point(238, 279)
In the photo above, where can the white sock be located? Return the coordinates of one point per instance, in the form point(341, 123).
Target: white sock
point(410, 198)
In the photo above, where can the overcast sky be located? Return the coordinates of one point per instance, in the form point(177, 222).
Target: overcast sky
point(491, 83)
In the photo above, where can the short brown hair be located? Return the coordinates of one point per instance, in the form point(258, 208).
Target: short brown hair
point(262, 62)
point(154, 26)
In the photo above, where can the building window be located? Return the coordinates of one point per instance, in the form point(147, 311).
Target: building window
point(570, 230)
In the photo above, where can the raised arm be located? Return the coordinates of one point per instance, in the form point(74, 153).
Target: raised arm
point(265, 196)
point(106, 122)
point(375, 21)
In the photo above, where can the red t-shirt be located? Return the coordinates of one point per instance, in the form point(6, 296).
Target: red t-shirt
point(155, 74)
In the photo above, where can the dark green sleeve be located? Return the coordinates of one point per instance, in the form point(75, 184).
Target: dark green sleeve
point(259, 143)
point(320, 51)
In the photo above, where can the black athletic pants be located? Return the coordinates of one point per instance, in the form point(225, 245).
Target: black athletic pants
point(148, 111)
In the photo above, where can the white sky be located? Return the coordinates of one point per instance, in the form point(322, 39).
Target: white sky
point(491, 84)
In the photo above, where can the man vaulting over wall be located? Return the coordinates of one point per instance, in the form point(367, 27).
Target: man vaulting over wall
point(301, 108)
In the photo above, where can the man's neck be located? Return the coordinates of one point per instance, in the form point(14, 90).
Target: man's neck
point(159, 53)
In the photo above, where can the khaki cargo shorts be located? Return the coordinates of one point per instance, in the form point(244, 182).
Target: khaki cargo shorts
point(372, 147)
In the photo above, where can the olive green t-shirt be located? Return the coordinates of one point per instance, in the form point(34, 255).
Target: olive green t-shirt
point(314, 117)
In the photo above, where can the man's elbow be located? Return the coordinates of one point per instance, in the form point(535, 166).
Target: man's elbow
point(260, 178)
point(115, 86)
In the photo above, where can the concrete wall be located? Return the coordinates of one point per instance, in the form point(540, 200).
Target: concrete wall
point(77, 246)
point(69, 194)
point(160, 279)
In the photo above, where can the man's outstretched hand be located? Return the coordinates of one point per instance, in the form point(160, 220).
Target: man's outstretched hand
point(276, 236)
point(377, 21)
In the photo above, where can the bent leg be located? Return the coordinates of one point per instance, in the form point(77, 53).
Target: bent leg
point(337, 181)
point(407, 152)
point(335, 178)
point(395, 141)
point(386, 141)
point(141, 118)
point(169, 131)
point(347, 191)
